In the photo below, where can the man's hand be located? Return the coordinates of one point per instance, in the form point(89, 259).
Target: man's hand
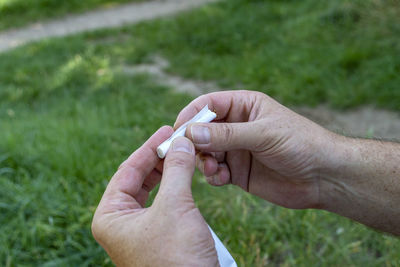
point(172, 231)
point(261, 146)
point(274, 153)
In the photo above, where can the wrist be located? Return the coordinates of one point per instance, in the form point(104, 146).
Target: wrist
point(338, 155)
point(360, 181)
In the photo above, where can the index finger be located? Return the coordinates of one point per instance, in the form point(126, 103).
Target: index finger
point(230, 106)
point(132, 172)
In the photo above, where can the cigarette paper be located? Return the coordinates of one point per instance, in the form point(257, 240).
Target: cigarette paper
point(205, 115)
point(225, 259)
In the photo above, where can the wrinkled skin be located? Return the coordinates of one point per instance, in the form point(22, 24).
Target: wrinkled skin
point(171, 232)
point(261, 146)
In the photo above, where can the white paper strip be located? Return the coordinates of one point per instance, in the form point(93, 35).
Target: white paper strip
point(224, 257)
point(205, 115)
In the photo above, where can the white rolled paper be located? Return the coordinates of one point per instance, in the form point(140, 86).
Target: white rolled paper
point(225, 259)
point(205, 115)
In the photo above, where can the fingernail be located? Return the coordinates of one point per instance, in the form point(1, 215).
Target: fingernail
point(217, 180)
point(214, 179)
point(183, 145)
point(200, 163)
point(200, 134)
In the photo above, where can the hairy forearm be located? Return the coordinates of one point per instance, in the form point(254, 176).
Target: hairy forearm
point(363, 182)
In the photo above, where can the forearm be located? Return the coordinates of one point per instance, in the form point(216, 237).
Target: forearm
point(363, 182)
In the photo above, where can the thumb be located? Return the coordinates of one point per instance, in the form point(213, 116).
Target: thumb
point(215, 137)
point(178, 170)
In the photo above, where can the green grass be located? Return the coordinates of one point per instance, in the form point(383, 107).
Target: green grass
point(17, 13)
point(69, 115)
point(343, 53)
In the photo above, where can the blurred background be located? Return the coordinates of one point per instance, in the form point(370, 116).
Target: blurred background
point(73, 107)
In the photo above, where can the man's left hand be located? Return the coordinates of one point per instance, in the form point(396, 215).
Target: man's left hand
point(169, 233)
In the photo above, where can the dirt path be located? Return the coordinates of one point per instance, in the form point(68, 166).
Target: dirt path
point(361, 122)
point(103, 18)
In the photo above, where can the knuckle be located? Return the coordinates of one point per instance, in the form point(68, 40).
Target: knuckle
point(260, 141)
point(96, 229)
point(180, 161)
point(202, 98)
point(259, 94)
point(200, 162)
point(258, 97)
point(122, 165)
point(102, 229)
point(226, 133)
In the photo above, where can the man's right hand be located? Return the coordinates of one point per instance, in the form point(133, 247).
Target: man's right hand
point(272, 152)
point(261, 146)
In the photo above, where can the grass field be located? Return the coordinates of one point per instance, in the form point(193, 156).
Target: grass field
point(69, 115)
point(16, 13)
